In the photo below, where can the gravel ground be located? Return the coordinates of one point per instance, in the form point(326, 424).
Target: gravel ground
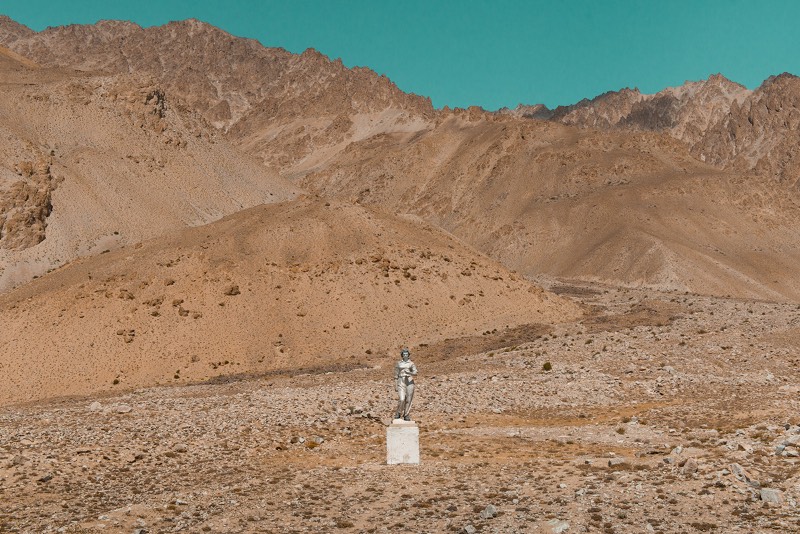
point(661, 412)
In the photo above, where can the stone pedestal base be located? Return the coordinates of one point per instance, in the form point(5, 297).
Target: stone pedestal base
point(402, 442)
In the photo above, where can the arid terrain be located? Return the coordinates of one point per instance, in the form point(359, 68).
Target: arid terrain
point(662, 412)
point(211, 252)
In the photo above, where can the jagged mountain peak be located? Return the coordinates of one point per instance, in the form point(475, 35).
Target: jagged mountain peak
point(259, 95)
point(11, 30)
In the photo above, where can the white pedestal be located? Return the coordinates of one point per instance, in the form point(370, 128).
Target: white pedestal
point(402, 442)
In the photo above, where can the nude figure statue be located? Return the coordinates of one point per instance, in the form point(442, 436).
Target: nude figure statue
point(404, 373)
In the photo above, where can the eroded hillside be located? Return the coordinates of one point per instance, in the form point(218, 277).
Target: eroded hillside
point(304, 284)
point(91, 162)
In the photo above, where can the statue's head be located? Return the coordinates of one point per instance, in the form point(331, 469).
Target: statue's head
point(405, 354)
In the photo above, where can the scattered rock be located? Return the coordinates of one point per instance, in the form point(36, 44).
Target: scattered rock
point(557, 526)
point(773, 496)
point(122, 408)
point(232, 290)
point(689, 467)
point(489, 512)
point(469, 529)
point(95, 407)
point(742, 475)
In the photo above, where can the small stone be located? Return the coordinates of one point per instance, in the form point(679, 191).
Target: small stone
point(47, 478)
point(742, 475)
point(690, 467)
point(181, 447)
point(557, 526)
point(772, 496)
point(122, 408)
point(489, 512)
point(616, 461)
point(17, 460)
point(469, 529)
point(232, 290)
point(95, 407)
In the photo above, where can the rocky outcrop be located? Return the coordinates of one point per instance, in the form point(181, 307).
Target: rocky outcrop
point(761, 134)
point(11, 30)
point(26, 204)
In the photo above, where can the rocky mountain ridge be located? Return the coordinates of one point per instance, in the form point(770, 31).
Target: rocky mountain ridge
point(281, 107)
point(722, 122)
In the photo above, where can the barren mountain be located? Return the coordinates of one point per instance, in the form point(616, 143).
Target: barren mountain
point(612, 207)
point(760, 134)
point(632, 207)
point(283, 107)
point(722, 122)
point(91, 162)
point(283, 286)
point(685, 112)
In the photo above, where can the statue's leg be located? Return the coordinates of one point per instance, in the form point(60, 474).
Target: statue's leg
point(409, 399)
point(401, 392)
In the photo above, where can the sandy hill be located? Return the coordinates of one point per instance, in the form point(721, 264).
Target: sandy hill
point(90, 162)
point(284, 108)
point(631, 208)
point(302, 284)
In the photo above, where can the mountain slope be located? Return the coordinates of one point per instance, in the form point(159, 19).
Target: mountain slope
point(302, 284)
point(612, 207)
point(91, 162)
point(627, 199)
point(282, 107)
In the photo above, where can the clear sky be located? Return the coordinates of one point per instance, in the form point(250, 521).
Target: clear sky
point(493, 53)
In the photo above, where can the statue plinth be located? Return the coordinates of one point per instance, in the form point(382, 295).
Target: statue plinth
point(402, 442)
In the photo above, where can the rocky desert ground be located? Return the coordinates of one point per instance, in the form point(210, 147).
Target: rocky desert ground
point(211, 252)
point(658, 412)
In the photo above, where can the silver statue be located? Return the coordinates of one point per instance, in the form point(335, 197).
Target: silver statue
point(404, 373)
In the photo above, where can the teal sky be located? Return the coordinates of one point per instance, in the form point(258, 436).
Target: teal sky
point(492, 53)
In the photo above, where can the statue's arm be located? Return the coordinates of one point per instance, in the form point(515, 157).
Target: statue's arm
point(396, 371)
point(413, 370)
